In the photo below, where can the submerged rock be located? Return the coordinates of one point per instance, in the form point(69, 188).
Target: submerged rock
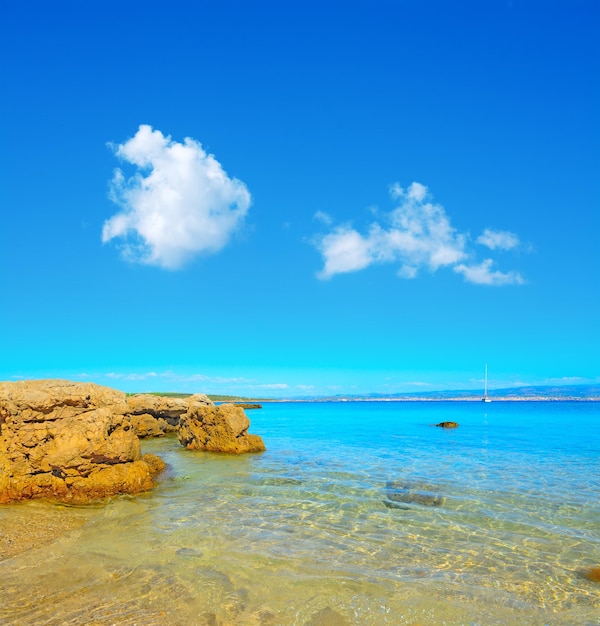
point(70, 442)
point(189, 552)
point(222, 428)
point(327, 617)
point(447, 425)
point(592, 573)
point(399, 493)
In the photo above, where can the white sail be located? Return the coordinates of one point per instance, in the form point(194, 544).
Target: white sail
point(485, 398)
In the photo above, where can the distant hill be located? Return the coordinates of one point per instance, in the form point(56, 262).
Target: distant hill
point(537, 392)
point(554, 391)
point(534, 392)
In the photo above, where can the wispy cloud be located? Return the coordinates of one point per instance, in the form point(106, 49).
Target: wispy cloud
point(324, 218)
point(483, 274)
point(130, 375)
point(573, 380)
point(180, 203)
point(175, 377)
point(269, 386)
point(417, 235)
point(498, 239)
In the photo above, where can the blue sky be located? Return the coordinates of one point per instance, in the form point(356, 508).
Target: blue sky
point(300, 198)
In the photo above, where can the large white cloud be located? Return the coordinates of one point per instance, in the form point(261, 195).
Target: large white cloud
point(179, 204)
point(416, 235)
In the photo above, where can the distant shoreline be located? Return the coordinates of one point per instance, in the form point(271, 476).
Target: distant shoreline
point(542, 393)
point(422, 399)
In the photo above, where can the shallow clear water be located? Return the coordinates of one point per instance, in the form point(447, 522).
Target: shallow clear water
point(312, 532)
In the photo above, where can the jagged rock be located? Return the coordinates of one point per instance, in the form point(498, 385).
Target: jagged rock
point(447, 425)
point(400, 493)
point(222, 428)
point(68, 441)
point(154, 416)
point(146, 425)
point(199, 398)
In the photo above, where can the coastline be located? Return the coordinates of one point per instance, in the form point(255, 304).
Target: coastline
point(437, 399)
point(227, 539)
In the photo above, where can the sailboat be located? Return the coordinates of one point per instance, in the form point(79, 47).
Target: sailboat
point(485, 398)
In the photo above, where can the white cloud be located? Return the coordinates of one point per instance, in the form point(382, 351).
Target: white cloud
point(131, 375)
point(495, 239)
point(482, 274)
point(179, 204)
point(270, 386)
point(417, 235)
point(176, 378)
point(344, 250)
point(323, 217)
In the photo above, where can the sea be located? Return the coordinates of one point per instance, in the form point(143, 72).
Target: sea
point(358, 513)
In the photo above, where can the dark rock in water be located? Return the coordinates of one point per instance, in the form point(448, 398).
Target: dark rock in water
point(395, 505)
point(266, 617)
point(280, 481)
point(249, 405)
point(592, 573)
point(398, 493)
point(189, 552)
point(327, 617)
point(447, 425)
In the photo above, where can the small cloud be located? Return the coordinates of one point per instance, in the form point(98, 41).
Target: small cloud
point(324, 218)
point(571, 380)
point(417, 235)
point(482, 274)
point(131, 375)
point(498, 239)
point(344, 250)
point(270, 386)
point(180, 203)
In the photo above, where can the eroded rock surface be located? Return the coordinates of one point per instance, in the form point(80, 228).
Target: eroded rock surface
point(155, 416)
point(222, 428)
point(69, 441)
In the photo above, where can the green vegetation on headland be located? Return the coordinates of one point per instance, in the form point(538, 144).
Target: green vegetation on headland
point(166, 394)
point(221, 398)
point(213, 397)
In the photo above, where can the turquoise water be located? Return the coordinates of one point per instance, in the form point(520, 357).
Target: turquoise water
point(318, 529)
